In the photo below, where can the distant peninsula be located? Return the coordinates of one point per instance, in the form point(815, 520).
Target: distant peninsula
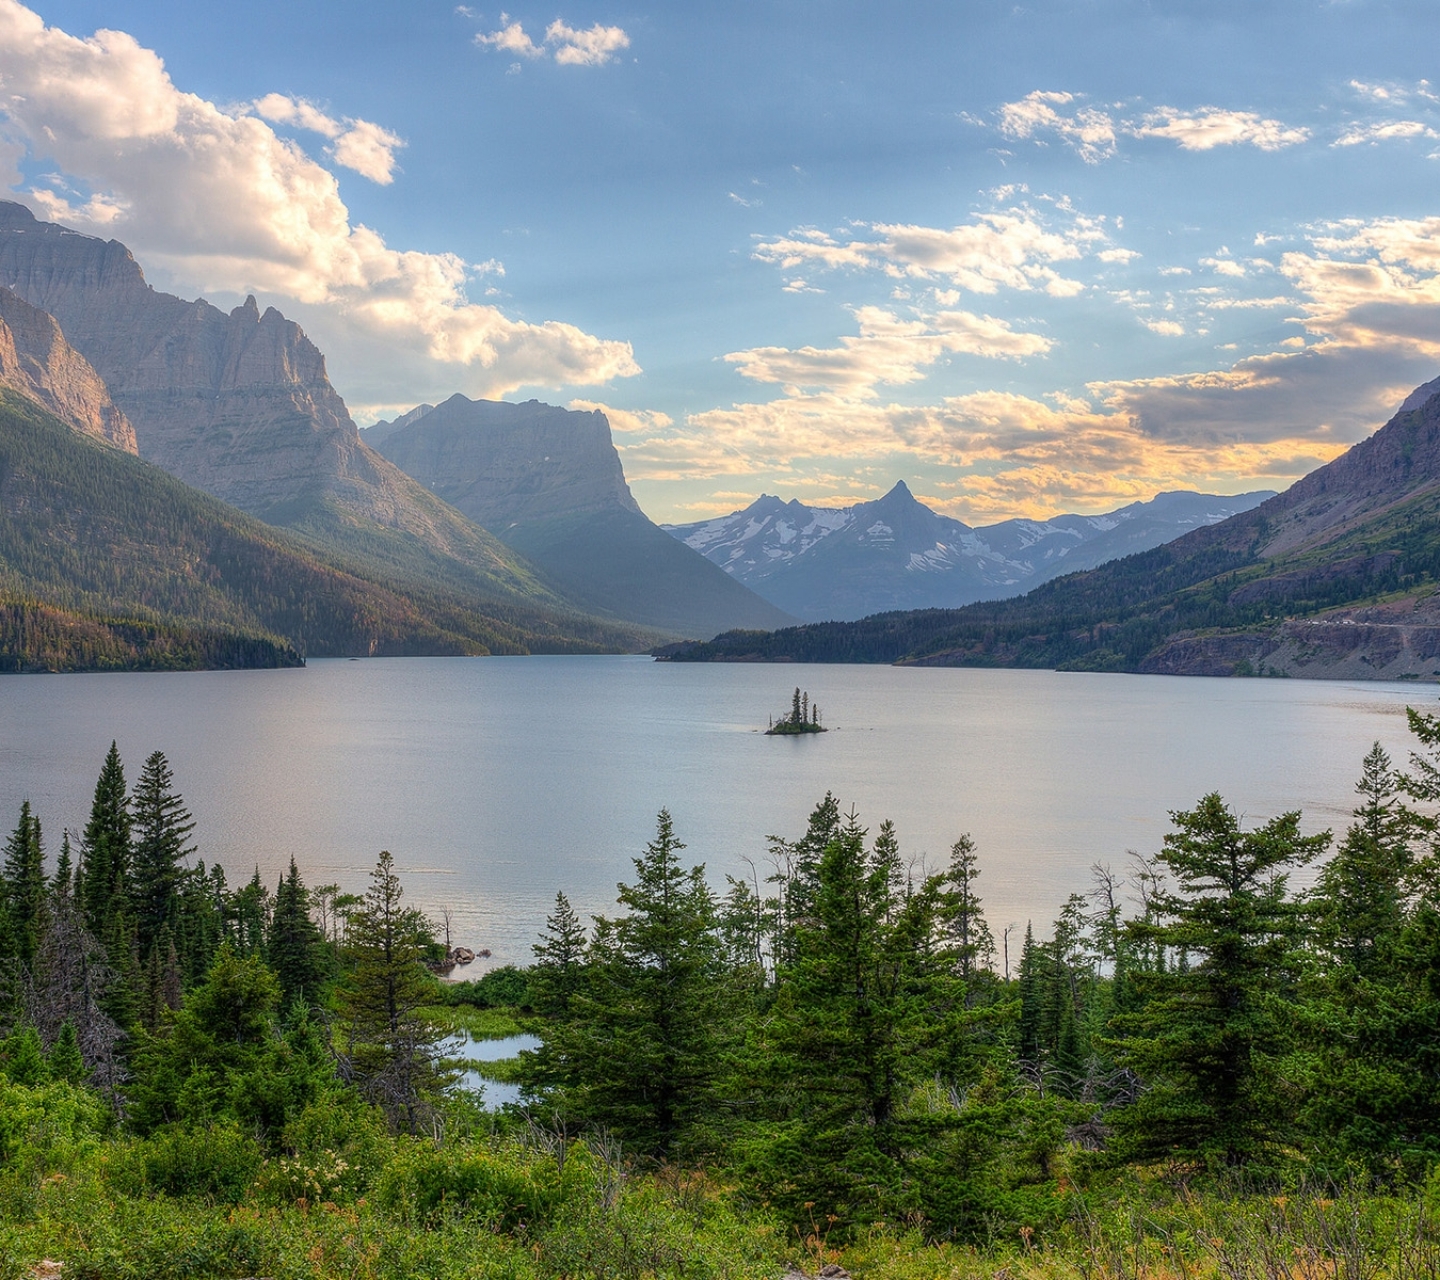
point(803, 717)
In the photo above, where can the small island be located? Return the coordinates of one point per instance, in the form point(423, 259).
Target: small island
point(803, 717)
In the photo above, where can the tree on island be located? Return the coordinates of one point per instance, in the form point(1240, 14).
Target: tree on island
point(804, 716)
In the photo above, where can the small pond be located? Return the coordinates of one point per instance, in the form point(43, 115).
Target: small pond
point(496, 1093)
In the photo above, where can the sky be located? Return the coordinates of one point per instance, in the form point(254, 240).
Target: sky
point(1030, 258)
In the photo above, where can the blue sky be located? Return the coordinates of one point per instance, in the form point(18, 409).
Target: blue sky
point(1031, 258)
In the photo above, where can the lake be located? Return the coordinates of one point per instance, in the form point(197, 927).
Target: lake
point(496, 782)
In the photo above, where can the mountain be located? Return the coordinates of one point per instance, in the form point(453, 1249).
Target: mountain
point(895, 553)
point(548, 482)
point(1335, 577)
point(106, 560)
point(36, 361)
point(239, 404)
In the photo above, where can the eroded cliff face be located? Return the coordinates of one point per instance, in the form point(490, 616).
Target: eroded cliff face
point(237, 404)
point(37, 361)
point(504, 464)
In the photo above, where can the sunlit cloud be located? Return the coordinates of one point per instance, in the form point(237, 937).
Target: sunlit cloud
point(219, 200)
point(1013, 249)
point(569, 46)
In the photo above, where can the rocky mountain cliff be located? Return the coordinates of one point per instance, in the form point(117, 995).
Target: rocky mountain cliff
point(895, 553)
point(1334, 578)
point(108, 561)
point(36, 361)
point(504, 464)
point(240, 405)
point(548, 482)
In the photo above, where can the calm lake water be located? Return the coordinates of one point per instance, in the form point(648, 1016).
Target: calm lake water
point(496, 782)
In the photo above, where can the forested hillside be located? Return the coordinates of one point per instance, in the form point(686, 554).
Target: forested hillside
point(1362, 531)
point(106, 561)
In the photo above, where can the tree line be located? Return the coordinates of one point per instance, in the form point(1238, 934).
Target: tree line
point(844, 1039)
point(841, 1035)
point(135, 971)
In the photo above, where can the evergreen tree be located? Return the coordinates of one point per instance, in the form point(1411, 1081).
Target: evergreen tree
point(558, 973)
point(64, 1058)
point(643, 1041)
point(161, 828)
point(294, 948)
point(62, 884)
point(394, 1053)
point(1358, 903)
point(102, 882)
point(22, 889)
point(1207, 1041)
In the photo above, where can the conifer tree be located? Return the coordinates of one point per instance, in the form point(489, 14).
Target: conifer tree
point(643, 1042)
point(161, 830)
point(558, 973)
point(102, 882)
point(1208, 1040)
point(294, 948)
point(62, 884)
point(64, 1058)
point(22, 889)
point(393, 1052)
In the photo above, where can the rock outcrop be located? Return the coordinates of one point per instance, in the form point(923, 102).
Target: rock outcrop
point(36, 361)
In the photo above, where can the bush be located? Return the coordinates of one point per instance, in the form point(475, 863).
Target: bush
point(504, 988)
point(46, 1126)
point(218, 1163)
point(504, 1188)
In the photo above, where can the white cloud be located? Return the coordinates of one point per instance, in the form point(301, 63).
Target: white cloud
point(569, 46)
point(221, 202)
point(1093, 132)
point(1383, 132)
point(1089, 131)
point(888, 349)
point(1211, 127)
point(628, 421)
point(1117, 255)
point(1012, 249)
point(368, 149)
point(1167, 328)
point(1224, 267)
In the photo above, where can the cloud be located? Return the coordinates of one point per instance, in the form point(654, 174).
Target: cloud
point(1012, 249)
point(1211, 127)
point(570, 47)
point(1383, 132)
point(887, 349)
point(220, 201)
point(1014, 454)
point(366, 148)
point(629, 421)
point(1089, 131)
point(1092, 133)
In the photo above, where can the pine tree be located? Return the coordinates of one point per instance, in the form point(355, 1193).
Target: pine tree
point(394, 1052)
point(161, 829)
point(558, 973)
point(643, 1041)
point(1358, 903)
point(1208, 1040)
point(103, 879)
point(62, 884)
point(294, 948)
point(64, 1058)
point(22, 889)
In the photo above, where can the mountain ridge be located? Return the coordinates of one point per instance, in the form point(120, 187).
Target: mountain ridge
point(895, 553)
point(549, 483)
point(1335, 577)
